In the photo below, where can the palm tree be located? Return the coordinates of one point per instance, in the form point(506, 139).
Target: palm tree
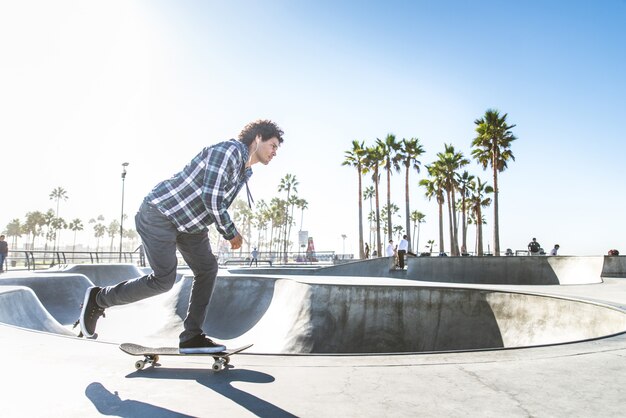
point(477, 201)
point(48, 217)
point(355, 158)
point(386, 215)
point(492, 147)
point(261, 220)
point(408, 153)
point(33, 226)
point(369, 193)
point(430, 243)
point(463, 183)
point(76, 225)
point(434, 188)
point(417, 218)
point(389, 147)
point(277, 212)
point(288, 184)
point(242, 215)
point(113, 230)
point(373, 159)
point(57, 194)
point(448, 164)
point(302, 204)
point(14, 230)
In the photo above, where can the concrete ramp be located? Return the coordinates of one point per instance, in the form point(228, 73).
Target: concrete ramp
point(576, 270)
point(20, 307)
point(60, 293)
point(506, 270)
point(288, 316)
point(291, 317)
point(560, 270)
point(101, 274)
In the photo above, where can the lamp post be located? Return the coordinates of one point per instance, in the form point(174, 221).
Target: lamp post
point(124, 165)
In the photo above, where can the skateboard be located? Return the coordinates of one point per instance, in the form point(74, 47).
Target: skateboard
point(151, 354)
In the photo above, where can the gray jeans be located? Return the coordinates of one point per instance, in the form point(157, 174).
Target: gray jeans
point(160, 239)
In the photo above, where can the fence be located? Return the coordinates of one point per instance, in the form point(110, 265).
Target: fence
point(41, 259)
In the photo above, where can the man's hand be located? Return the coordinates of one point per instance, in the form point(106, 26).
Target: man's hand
point(236, 242)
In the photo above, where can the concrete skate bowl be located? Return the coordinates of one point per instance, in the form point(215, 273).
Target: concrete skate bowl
point(305, 318)
point(538, 271)
point(285, 316)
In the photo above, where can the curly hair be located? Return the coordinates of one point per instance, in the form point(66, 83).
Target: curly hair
point(266, 128)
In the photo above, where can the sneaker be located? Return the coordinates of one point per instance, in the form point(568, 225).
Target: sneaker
point(200, 344)
point(90, 312)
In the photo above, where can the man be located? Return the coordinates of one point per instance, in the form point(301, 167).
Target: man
point(403, 247)
point(4, 252)
point(176, 215)
point(255, 258)
point(555, 250)
point(534, 247)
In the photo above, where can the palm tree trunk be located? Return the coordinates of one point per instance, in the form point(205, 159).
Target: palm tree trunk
point(389, 231)
point(455, 229)
point(408, 211)
point(378, 243)
point(479, 228)
point(464, 221)
point(361, 250)
point(450, 224)
point(496, 223)
point(441, 243)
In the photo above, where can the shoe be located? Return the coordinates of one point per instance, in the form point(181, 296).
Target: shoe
point(200, 344)
point(90, 312)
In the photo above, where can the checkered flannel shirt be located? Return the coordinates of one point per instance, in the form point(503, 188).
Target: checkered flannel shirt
point(201, 193)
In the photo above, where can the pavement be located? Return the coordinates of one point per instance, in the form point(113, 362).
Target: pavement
point(331, 344)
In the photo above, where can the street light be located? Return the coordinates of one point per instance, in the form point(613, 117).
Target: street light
point(124, 165)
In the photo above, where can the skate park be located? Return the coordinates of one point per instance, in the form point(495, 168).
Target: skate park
point(455, 336)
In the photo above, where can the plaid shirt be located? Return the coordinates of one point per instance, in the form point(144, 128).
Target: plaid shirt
point(201, 193)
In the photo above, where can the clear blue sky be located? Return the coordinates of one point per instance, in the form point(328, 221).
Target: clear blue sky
point(86, 86)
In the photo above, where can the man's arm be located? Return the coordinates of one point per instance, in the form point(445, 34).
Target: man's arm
point(221, 165)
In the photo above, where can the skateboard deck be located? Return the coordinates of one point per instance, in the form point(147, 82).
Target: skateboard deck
point(151, 354)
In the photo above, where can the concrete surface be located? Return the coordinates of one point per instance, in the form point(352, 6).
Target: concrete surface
point(48, 374)
point(477, 270)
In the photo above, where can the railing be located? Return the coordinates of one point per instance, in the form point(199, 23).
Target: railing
point(40, 259)
point(273, 258)
point(19, 260)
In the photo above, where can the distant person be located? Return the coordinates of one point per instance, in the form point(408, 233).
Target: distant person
point(509, 252)
point(555, 250)
point(389, 250)
point(175, 215)
point(367, 251)
point(4, 252)
point(534, 247)
point(613, 252)
point(255, 258)
point(403, 247)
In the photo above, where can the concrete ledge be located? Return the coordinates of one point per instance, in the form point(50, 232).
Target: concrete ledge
point(614, 266)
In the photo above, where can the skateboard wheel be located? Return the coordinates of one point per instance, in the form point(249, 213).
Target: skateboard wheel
point(139, 364)
point(218, 365)
point(155, 359)
point(226, 360)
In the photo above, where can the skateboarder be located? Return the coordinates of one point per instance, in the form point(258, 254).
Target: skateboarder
point(176, 214)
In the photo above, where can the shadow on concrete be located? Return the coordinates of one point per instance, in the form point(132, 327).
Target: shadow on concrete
point(108, 403)
point(222, 383)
